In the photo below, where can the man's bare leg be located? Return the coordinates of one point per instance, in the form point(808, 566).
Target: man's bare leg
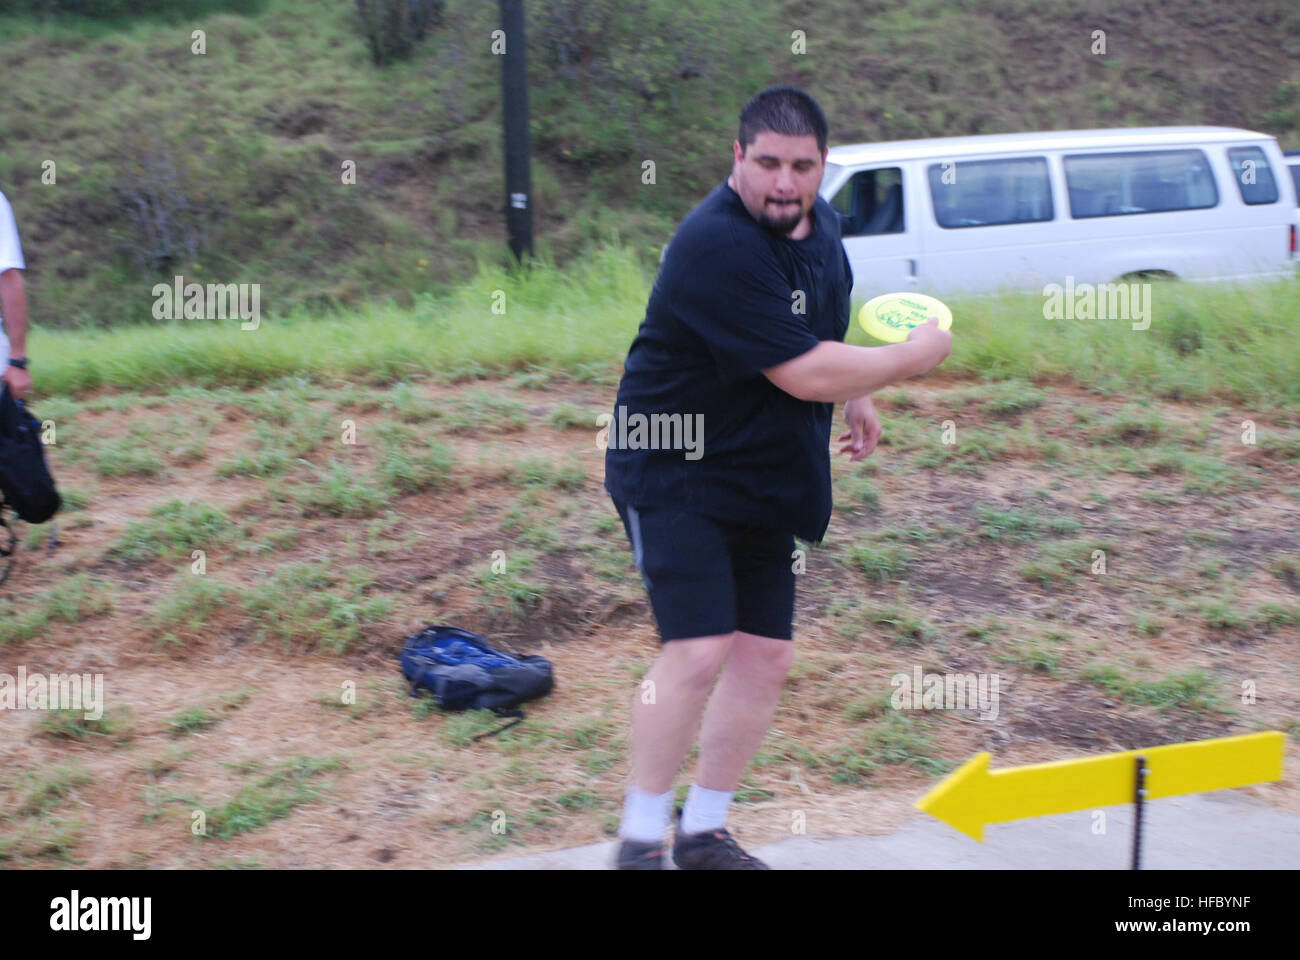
point(740, 711)
point(666, 715)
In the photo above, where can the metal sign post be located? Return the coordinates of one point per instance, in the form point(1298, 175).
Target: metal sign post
point(1139, 794)
point(514, 101)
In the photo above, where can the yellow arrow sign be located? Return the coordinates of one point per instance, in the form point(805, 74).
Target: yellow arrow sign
point(972, 795)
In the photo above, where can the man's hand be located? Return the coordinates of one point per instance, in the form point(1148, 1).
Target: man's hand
point(20, 381)
point(936, 343)
point(864, 428)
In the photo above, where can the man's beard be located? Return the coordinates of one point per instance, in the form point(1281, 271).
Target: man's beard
point(782, 223)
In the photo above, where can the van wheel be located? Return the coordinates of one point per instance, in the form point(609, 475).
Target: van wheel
point(1142, 276)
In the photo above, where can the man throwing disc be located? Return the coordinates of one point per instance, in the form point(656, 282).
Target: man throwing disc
point(719, 455)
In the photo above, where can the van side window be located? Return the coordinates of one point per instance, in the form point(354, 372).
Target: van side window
point(1153, 181)
point(984, 193)
point(1253, 175)
point(1295, 177)
point(871, 202)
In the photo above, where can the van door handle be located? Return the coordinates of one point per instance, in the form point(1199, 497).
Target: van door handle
point(911, 269)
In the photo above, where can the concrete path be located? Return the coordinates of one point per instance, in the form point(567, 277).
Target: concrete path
point(1211, 831)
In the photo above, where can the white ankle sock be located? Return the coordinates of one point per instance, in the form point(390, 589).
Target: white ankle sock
point(645, 815)
point(705, 809)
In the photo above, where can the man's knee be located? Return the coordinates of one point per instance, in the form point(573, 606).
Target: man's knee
point(697, 660)
point(765, 656)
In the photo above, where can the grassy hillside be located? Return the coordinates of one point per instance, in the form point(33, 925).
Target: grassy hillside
point(238, 152)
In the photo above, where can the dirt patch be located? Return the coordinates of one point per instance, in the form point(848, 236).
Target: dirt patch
point(1079, 716)
point(412, 789)
point(965, 590)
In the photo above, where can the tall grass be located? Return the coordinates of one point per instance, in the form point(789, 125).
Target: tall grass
point(1232, 343)
point(550, 319)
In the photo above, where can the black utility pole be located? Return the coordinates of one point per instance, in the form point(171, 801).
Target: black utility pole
point(514, 99)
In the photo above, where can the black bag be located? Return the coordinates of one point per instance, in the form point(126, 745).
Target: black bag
point(464, 673)
point(26, 486)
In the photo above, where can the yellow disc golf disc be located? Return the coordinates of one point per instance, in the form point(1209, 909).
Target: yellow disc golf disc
point(891, 316)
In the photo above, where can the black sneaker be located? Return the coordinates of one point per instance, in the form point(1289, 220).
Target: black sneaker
point(634, 855)
point(711, 850)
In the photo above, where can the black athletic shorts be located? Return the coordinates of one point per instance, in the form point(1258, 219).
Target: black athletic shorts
point(706, 577)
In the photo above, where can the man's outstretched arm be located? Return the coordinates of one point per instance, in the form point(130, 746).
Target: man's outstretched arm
point(833, 372)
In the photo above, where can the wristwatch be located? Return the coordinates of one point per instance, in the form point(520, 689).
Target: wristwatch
point(19, 362)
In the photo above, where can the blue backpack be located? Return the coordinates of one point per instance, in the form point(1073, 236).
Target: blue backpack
point(465, 673)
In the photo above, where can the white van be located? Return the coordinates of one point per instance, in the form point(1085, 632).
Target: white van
point(973, 214)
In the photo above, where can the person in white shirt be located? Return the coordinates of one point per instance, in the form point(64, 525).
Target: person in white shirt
point(13, 306)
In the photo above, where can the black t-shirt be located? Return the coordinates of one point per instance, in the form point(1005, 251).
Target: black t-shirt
point(731, 300)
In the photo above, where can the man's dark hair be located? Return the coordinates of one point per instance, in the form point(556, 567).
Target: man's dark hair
point(784, 110)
